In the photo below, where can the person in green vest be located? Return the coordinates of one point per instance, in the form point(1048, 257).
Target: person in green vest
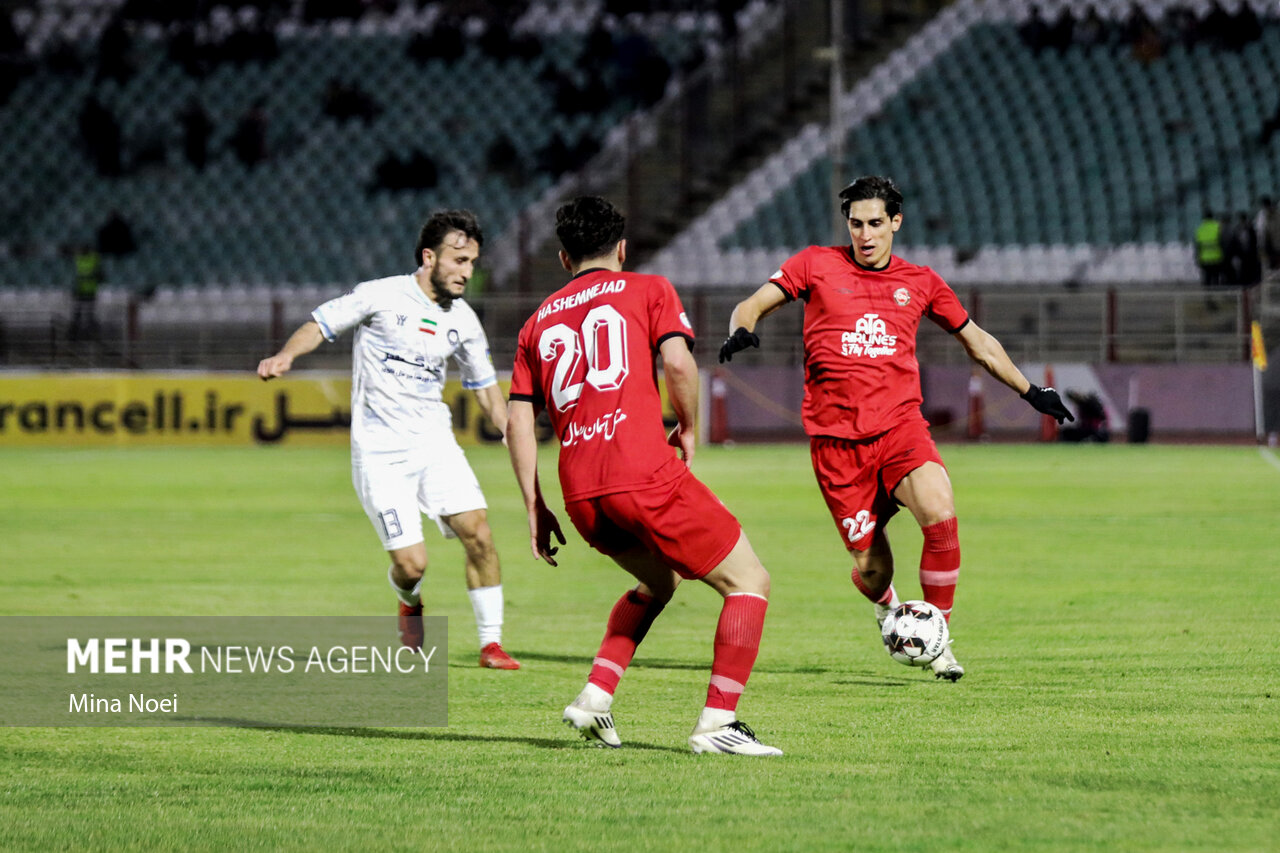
point(84, 296)
point(1209, 254)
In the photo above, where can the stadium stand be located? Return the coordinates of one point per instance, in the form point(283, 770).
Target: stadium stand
point(466, 112)
point(1084, 160)
point(1089, 158)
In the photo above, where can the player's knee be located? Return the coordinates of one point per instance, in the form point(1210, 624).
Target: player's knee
point(943, 511)
point(472, 529)
point(765, 582)
point(754, 579)
point(408, 569)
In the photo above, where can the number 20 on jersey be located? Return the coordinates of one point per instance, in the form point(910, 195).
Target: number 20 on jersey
point(601, 341)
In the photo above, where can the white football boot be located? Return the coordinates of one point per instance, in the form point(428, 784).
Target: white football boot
point(946, 666)
point(590, 715)
point(714, 735)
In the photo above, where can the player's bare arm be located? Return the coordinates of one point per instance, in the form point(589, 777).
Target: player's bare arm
point(681, 372)
point(984, 349)
point(494, 406)
point(307, 337)
point(748, 312)
point(522, 445)
point(757, 306)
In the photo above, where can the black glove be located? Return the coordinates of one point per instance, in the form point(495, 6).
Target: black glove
point(1047, 402)
point(738, 341)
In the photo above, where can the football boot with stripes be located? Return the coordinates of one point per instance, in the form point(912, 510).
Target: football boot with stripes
point(594, 724)
point(734, 738)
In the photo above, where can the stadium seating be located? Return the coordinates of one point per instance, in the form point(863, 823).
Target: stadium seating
point(311, 210)
point(1015, 159)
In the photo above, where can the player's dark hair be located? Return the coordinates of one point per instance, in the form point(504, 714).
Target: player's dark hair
point(440, 224)
point(588, 227)
point(872, 186)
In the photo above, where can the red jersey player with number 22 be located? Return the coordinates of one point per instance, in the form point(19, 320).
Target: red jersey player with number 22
point(870, 446)
point(587, 357)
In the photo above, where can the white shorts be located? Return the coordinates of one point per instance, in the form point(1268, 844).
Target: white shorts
point(394, 487)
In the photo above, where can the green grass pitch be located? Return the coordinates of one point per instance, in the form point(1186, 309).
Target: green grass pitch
point(1117, 615)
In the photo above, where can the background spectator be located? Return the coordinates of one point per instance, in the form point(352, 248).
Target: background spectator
point(100, 134)
point(1243, 267)
point(1209, 251)
point(115, 236)
point(344, 101)
point(249, 141)
point(416, 171)
point(84, 294)
point(1271, 236)
point(196, 127)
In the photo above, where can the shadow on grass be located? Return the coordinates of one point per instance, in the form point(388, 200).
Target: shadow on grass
point(871, 679)
point(659, 663)
point(875, 682)
point(586, 660)
point(427, 735)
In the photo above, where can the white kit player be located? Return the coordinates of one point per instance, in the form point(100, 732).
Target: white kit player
point(405, 460)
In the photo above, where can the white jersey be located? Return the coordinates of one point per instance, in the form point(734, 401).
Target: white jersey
point(400, 358)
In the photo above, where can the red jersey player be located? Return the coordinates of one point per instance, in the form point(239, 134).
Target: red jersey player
point(870, 445)
point(587, 357)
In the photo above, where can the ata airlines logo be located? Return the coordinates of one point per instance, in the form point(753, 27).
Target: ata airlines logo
point(870, 337)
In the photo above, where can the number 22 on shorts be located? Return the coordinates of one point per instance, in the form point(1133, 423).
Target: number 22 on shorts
point(858, 526)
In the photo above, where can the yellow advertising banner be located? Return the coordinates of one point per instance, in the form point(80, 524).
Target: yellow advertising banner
point(143, 408)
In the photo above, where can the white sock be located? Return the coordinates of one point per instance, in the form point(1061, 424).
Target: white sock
point(594, 697)
point(411, 597)
point(893, 598)
point(486, 602)
point(714, 718)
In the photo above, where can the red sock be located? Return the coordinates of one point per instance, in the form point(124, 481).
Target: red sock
point(940, 564)
point(737, 644)
point(628, 622)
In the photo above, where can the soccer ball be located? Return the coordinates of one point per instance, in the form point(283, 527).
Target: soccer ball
point(915, 633)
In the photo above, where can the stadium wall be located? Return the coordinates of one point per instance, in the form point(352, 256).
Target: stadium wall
point(123, 409)
point(743, 403)
point(1213, 402)
point(208, 409)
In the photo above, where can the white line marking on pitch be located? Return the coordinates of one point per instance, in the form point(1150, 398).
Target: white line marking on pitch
point(1269, 455)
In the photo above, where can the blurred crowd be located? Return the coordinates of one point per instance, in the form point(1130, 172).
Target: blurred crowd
point(1146, 37)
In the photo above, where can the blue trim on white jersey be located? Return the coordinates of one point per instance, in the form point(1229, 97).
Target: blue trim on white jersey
point(324, 327)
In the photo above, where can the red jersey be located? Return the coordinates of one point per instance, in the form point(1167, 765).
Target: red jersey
point(861, 376)
point(587, 356)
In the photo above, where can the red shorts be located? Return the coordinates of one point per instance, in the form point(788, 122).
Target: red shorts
point(857, 477)
point(682, 522)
